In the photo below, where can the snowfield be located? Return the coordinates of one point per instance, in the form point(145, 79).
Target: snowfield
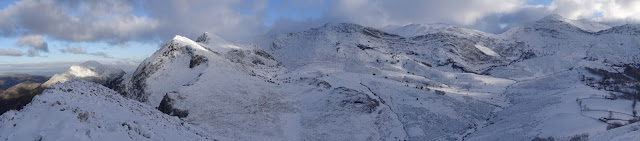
point(81, 110)
point(486, 50)
point(553, 78)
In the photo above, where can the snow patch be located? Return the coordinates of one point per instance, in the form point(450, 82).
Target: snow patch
point(486, 50)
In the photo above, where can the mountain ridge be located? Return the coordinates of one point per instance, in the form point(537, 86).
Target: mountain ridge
point(344, 81)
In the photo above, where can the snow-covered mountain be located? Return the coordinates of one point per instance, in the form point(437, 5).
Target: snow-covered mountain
point(553, 78)
point(20, 95)
point(92, 71)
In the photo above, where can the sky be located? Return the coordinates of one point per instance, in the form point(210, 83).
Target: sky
point(48, 36)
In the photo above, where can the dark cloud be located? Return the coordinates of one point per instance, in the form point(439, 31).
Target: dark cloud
point(231, 19)
point(503, 22)
point(93, 20)
point(608, 11)
point(116, 21)
point(10, 52)
point(73, 50)
point(100, 54)
point(79, 50)
point(401, 12)
point(34, 53)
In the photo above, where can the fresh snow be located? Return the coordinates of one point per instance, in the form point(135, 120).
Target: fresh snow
point(90, 71)
point(486, 50)
point(81, 110)
point(344, 81)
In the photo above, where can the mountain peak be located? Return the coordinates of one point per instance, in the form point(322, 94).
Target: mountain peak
point(186, 42)
point(91, 63)
point(552, 18)
point(557, 26)
point(90, 71)
point(411, 30)
point(584, 25)
point(351, 28)
point(342, 27)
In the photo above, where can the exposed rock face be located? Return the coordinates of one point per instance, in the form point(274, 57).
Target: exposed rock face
point(166, 106)
point(197, 60)
point(204, 38)
point(353, 100)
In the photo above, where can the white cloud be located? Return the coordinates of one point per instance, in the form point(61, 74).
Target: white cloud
point(601, 10)
point(400, 12)
point(227, 18)
point(75, 20)
point(10, 52)
point(499, 23)
point(114, 21)
point(34, 41)
point(79, 50)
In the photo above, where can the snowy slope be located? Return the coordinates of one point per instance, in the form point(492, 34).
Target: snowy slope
point(235, 94)
point(185, 62)
point(424, 29)
point(551, 51)
point(550, 98)
point(399, 71)
point(445, 83)
point(550, 78)
point(81, 110)
point(313, 93)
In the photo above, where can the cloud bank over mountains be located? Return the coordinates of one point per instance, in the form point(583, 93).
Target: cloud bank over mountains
point(122, 21)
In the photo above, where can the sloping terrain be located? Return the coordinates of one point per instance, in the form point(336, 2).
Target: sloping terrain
point(10, 80)
point(20, 95)
point(17, 96)
point(553, 78)
point(81, 110)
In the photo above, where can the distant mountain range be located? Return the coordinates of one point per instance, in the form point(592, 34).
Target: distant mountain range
point(10, 80)
point(554, 79)
point(17, 90)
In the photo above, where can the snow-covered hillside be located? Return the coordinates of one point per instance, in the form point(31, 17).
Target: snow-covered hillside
point(553, 78)
point(81, 110)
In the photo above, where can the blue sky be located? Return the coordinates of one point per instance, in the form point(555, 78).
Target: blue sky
point(276, 10)
point(539, 2)
point(129, 52)
point(124, 32)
